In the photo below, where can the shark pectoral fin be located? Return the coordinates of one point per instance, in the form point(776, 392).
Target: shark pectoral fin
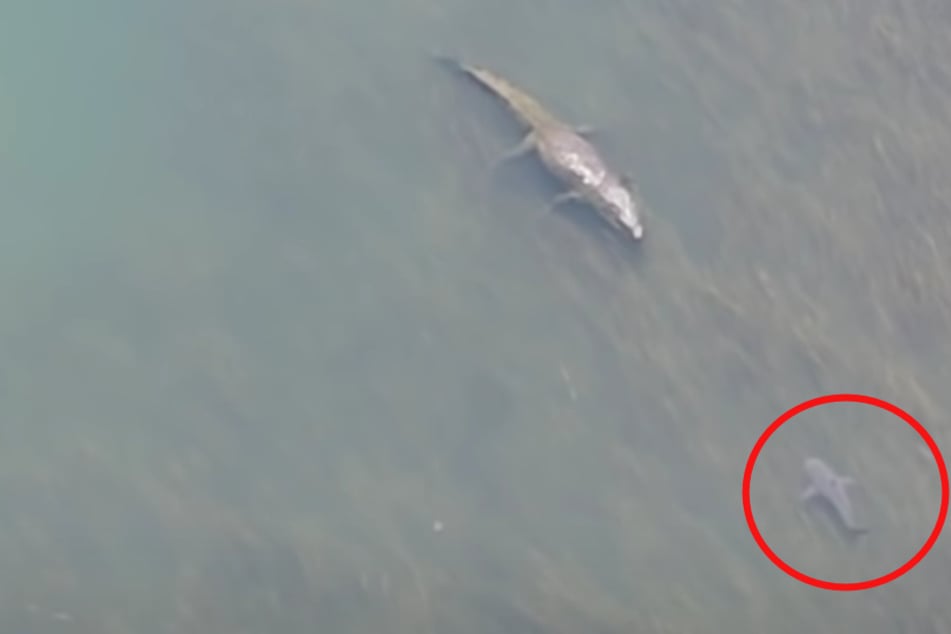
point(808, 493)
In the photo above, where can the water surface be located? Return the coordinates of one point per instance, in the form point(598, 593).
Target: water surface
point(270, 315)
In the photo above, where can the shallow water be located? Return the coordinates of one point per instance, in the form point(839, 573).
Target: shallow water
point(271, 316)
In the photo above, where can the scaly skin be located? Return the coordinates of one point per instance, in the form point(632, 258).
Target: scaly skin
point(566, 154)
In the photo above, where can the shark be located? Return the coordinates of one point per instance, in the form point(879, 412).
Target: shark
point(823, 483)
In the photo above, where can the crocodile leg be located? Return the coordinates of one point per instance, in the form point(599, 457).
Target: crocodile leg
point(526, 145)
point(563, 198)
point(560, 199)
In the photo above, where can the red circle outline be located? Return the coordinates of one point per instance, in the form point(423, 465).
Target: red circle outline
point(858, 585)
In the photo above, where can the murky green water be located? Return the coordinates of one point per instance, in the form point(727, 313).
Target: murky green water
point(282, 353)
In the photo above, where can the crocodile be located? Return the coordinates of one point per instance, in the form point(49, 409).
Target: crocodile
point(566, 153)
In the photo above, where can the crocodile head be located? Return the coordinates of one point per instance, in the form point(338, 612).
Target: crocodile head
point(622, 209)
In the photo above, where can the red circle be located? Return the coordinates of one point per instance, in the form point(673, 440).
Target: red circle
point(858, 585)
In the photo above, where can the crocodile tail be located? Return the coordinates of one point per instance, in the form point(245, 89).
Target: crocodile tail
point(523, 105)
point(446, 60)
point(487, 79)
